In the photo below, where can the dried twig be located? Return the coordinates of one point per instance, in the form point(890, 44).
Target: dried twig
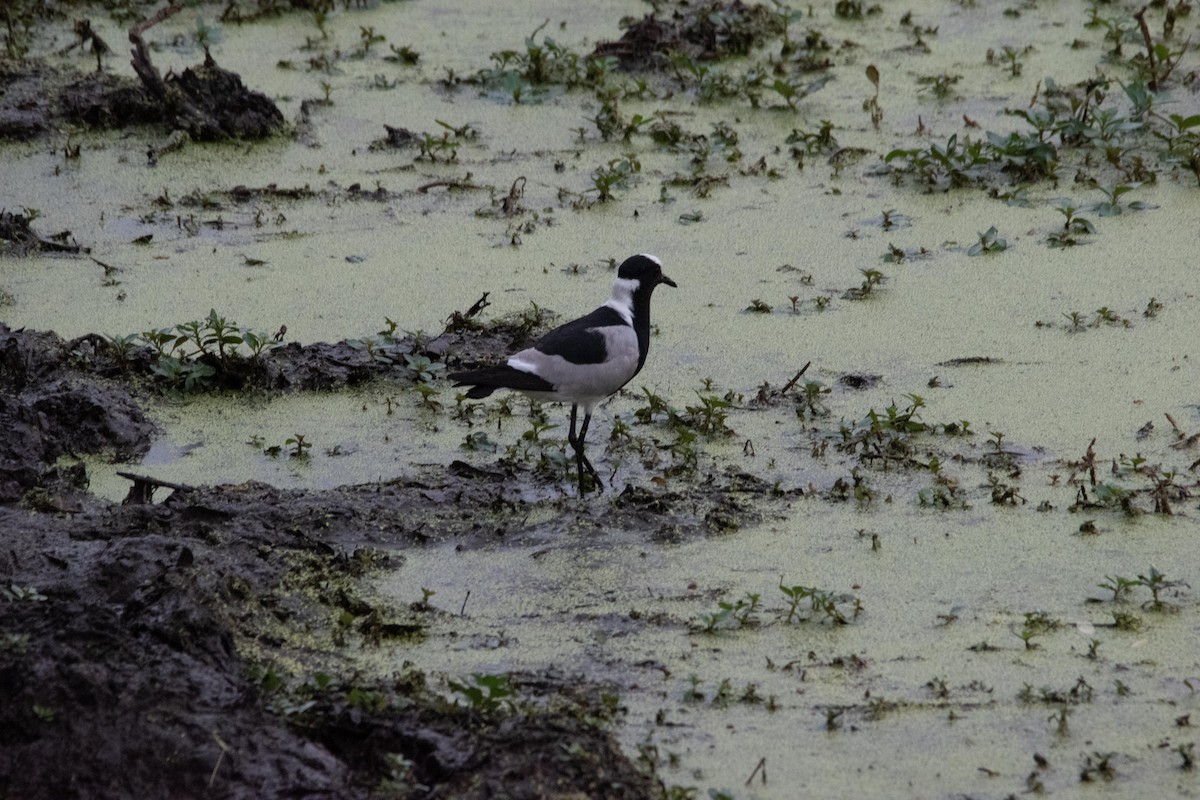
point(760, 767)
point(795, 378)
point(143, 488)
point(141, 57)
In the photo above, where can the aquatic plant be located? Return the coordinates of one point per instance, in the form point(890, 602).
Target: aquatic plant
point(825, 604)
point(1073, 225)
point(1037, 623)
point(739, 614)
point(299, 444)
point(957, 163)
point(486, 694)
point(617, 173)
point(989, 242)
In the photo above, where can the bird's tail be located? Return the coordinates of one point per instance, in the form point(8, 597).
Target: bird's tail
point(487, 380)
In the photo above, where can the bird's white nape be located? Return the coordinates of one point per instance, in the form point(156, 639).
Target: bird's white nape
point(622, 298)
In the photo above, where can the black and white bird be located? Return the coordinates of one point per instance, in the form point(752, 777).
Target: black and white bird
point(583, 361)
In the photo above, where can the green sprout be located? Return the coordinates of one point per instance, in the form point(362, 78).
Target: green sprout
point(989, 242)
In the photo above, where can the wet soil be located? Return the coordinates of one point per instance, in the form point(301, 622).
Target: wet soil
point(708, 31)
point(49, 409)
point(205, 101)
point(125, 675)
point(139, 641)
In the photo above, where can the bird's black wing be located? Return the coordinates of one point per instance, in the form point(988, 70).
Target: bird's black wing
point(577, 341)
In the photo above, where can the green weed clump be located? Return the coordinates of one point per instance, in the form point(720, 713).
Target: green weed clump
point(485, 694)
point(1154, 580)
point(199, 355)
point(801, 604)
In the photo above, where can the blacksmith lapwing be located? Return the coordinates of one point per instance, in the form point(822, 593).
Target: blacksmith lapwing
point(583, 361)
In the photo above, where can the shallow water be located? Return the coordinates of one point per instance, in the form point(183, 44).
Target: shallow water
point(859, 709)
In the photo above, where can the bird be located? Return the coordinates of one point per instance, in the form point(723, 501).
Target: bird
point(584, 361)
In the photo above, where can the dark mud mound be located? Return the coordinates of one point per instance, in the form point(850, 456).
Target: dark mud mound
point(706, 31)
point(463, 758)
point(123, 682)
point(319, 366)
point(17, 237)
point(211, 104)
point(208, 102)
point(25, 108)
point(103, 100)
point(136, 647)
point(36, 99)
point(277, 368)
point(48, 410)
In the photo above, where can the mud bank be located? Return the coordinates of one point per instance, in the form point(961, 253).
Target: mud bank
point(142, 665)
point(205, 643)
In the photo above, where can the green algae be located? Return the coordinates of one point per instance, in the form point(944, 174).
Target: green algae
point(924, 694)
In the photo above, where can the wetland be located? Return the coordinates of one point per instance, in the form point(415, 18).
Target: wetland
point(902, 505)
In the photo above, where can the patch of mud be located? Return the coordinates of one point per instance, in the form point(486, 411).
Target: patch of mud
point(136, 660)
point(207, 102)
point(48, 410)
point(25, 108)
point(18, 238)
point(36, 99)
point(330, 366)
point(706, 31)
point(154, 637)
point(103, 100)
point(320, 366)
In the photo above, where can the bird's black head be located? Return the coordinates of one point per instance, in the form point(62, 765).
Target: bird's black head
point(645, 269)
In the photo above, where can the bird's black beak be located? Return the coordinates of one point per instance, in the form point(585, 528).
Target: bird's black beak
point(667, 281)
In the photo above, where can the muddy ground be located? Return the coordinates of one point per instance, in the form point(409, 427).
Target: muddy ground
point(138, 640)
point(127, 630)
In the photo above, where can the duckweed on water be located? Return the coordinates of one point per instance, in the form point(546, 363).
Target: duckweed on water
point(752, 115)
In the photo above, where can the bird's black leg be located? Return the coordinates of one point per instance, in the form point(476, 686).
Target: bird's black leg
point(581, 460)
point(587, 420)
